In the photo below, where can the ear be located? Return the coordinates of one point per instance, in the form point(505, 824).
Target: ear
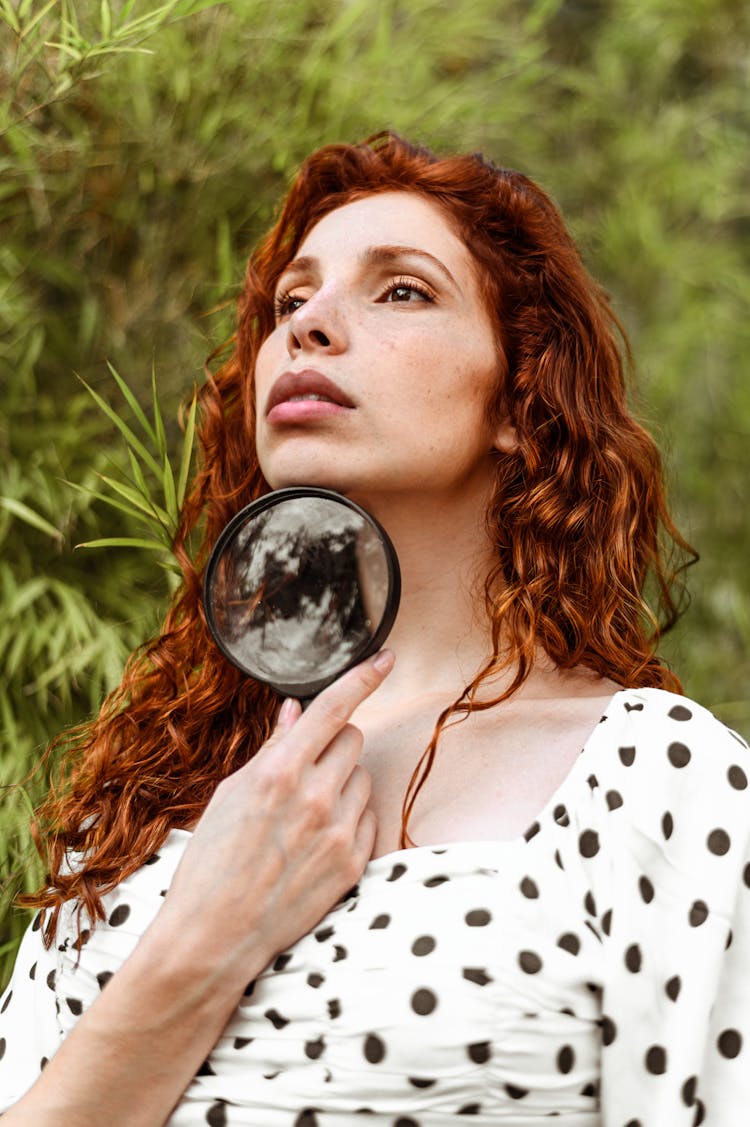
point(505, 439)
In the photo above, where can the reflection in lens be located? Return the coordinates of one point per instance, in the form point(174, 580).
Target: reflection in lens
point(299, 590)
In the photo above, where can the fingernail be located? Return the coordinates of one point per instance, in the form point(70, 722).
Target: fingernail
point(287, 710)
point(384, 661)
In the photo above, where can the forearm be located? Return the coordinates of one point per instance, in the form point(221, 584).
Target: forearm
point(133, 1053)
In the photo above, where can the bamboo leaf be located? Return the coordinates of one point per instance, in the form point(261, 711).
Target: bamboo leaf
point(124, 542)
point(37, 18)
point(131, 439)
point(187, 451)
point(133, 403)
point(29, 516)
point(161, 437)
point(145, 504)
point(170, 493)
point(8, 14)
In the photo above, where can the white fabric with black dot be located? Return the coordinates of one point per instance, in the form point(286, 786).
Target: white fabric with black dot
point(595, 971)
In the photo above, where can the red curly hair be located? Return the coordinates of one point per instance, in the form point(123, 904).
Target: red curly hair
point(578, 518)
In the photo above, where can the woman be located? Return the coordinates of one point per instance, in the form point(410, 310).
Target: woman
point(261, 917)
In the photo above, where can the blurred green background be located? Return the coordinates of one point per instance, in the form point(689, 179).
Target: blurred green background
point(143, 149)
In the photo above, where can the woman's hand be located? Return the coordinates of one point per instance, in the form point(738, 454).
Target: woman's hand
point(284, 837)
point(280, 842)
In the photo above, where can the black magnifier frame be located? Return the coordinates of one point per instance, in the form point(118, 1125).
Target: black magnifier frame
point(302, 690)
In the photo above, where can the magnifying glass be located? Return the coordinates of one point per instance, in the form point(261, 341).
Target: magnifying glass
point(301, 585)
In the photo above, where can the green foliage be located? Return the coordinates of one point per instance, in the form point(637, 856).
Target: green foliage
point(143, 148)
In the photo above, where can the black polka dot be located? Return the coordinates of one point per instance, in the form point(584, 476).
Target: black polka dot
point(609, 1030)
point(405, 1121)
point(558, 860)
point(529, 888)
point(380, 922)
point(667, 825)
point(561, 816)
point(324, 933)
point(119, 916)
point(646, 890)
point(479, 1052)
point(633, 958)
point(6, 1003)
point(570, 943)
point(529, 962)
point(478, 975)
point(469, 1109)
point(396, 872)
point(718, 842)
point(588, 843)
point(51, 979)
point(282, 961)
point(276, 1019)
point(334, 1008)
point(627, 756)
point(216, 1116)
point(478, 917)
point(589, 903)
point(607, 921)
point(43, 1063)
point(565, 1059)
point(730, 937)
point(374, 1048)
point(673, 987)
point(679, 712)
point(36, 923)
point(688, 1090)
point(614, 799)
point(423, 1001)
point(3, 1044)
point(315, 1049)
point(241, 1042)
point(656, 1060)
point(729, 1043)
point(435, 882)
point(746, 874)
point(307, 1118)
point(591, 1090)
point(532, 831)
point(424, 945)
point(515, 1092)
point(32, 972)
point(421, 1082)
point(737, 778)
point(700, 1113)
point(339, 953)
point(75, 1005)
point(593, 782)
point(679, 754)
point(315, 980)
point(103, 978)
point(698, 913)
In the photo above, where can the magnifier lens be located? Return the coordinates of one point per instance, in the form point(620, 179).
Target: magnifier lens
point(301, 585)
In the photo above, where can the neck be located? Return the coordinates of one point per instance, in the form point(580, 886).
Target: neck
point(442, 634)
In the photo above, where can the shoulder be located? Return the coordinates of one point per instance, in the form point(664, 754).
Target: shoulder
point(673, 733)
point(676, 782)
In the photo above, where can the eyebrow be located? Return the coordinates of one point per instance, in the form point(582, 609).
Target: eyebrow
point(375, 256)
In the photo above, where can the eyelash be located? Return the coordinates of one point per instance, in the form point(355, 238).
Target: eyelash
point(283, 299)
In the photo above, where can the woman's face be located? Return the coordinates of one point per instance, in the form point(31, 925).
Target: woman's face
point(377, 376)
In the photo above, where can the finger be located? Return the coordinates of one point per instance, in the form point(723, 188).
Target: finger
point(331, 709)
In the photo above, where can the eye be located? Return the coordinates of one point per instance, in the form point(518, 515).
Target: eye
point(406, 290)
point(285, 303)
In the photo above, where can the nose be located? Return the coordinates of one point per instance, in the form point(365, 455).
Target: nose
point(317, 325)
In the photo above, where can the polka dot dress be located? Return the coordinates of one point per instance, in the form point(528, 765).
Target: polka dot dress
point(594, 971)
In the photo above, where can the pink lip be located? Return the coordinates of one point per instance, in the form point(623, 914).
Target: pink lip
point(307, 382)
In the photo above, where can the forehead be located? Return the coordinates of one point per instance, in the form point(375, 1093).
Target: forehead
point(391, 218)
